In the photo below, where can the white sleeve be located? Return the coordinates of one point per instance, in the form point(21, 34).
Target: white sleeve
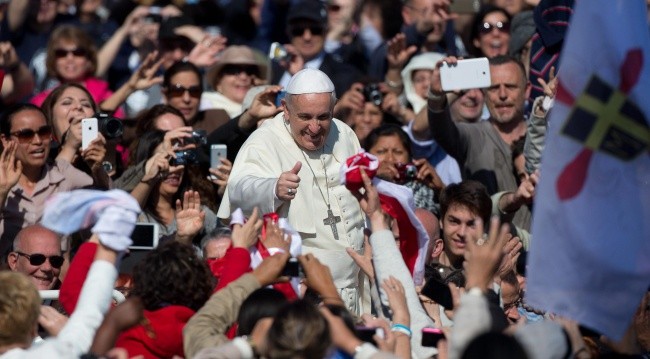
point(384, 255)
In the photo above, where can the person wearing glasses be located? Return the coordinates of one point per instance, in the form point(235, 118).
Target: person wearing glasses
point(37, 254)
point(182, 88)
point(490, 32)
point(307, 27)
point(27, 178)
point(233, 75)
point(72, 57)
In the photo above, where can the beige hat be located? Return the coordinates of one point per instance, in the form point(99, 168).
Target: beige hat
point(236, 55)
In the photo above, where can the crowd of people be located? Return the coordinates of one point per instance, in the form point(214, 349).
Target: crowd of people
point(359, 210)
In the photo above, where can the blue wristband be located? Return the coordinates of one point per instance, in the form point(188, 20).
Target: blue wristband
point(401, 328)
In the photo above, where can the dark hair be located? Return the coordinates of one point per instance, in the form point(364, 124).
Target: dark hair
point(471, 194)
point(262, 303)
point(479, 18)
point(8, 116)
point(172, 274)
point(145, 121)
point(48, 105)
point(299, 330)
point(146, 149)
point(77, 36)
point(385, 131)
point(494, 345)
point(391, 20)
point(507, 59)
point(181, 66)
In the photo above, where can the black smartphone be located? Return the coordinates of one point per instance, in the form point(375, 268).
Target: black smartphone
point(366, 334)
point(431, 336)
point(293, 269)
point(439, 292)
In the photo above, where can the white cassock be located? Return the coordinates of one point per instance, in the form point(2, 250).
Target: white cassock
point(271, 150)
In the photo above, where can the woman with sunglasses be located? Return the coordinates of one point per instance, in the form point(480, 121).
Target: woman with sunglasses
point(490, 32)
point(27, 178)
point(236, 72)
point(72, 57)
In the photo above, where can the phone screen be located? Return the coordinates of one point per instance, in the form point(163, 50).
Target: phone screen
point(431, 336)
point(144, 236)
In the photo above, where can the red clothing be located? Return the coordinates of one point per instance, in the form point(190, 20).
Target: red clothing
point(236, 263)
point(161, 336)
point(74, 280)
point(97, 88)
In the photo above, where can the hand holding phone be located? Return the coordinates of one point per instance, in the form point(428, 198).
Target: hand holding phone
point(89, 131)
point(465, 74)
point(217, 152)
point(431, 336)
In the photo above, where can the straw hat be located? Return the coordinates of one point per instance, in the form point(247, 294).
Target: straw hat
point(235, 55)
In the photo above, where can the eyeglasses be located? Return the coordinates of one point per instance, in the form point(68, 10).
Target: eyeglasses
point(179, 90)
point(516, 304)
point(250, 70)
point(36, 259)
point(27, 135)
point(500, 26)
point(61, 53)
point(299, 30)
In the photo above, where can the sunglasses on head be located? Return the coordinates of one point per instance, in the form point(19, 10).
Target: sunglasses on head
point(27, 134)
point(179, 90)
point(299, 30)
point(250, 70)
point(61, 53)
point(500, 26)
point(37, 259)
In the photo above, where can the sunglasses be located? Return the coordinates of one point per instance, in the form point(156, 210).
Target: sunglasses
point(299, 30)
point(61, 53)
point(179, 90)
point(250, 70)
point(37, 259)
point(27, 135)
point(334, 7)
point(500, 26)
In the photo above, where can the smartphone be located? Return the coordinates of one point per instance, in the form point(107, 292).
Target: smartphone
point(293, 269)
point(431, 336)
point(465, 6)
point(216, 153)
point(145, 236)
point(366, 334)
point(279, 97)
point(89, 131)
point(466, 74)
point(439, 292)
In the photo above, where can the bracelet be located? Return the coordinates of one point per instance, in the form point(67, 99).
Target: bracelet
point(401, 328)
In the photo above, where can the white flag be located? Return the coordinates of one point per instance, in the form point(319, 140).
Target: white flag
point(590, 254)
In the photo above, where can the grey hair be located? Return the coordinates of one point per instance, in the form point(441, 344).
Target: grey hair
point(221, 232)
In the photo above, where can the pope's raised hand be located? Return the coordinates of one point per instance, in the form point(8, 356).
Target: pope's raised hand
point(287, 185)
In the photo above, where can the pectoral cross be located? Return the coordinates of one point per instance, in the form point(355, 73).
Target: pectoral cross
point(331, 220)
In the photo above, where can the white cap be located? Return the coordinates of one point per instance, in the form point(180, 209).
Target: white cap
point(310, 81)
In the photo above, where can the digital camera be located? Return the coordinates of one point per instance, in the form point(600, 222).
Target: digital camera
point(186, 157)
point(407, 172)
point(109, 126)
point(372, 94)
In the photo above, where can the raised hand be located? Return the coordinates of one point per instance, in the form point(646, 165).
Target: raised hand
point(364, 261)
point(51, 320)
point(145, 76)
point(156, 167)
point(288, 183)
point(481, 261)
point(10, 168)
point(397, 300)
point(263, 105)
point(427, 174)
point(276, 237)
point(189, 216)
point(220, 175)
point(245, 236)
point(204, 54)
point(398, 53)
point(550, 87)
point(319, 278)
point(96, 152)
point(351, 100)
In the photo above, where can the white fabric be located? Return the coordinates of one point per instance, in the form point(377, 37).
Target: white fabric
point(271, 150)
point(310, 81)
point(215, 100)
point(425, 61)
point(77, 335)
point(590, 259)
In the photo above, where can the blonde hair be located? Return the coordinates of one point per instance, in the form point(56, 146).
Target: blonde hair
point(20, 306)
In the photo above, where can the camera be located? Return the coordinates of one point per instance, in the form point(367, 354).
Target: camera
point(109, 126)
point(372, 94)
point(199, 137)
point(293, 269)
point(407, 171)
point(186, 157)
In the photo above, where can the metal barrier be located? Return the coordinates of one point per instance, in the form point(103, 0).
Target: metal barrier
point(54, 294)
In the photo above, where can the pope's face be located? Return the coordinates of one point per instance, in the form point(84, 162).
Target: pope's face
point(310, 118)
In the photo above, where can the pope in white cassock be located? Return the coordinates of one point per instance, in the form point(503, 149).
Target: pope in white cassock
point(290, 165)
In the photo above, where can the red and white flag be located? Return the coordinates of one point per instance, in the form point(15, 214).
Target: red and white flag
point(397, 201)
point(590, 253)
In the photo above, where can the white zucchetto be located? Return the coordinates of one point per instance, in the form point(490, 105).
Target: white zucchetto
point(309, 81)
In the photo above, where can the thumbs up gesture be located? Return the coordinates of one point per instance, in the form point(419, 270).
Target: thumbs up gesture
point(287, 185)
